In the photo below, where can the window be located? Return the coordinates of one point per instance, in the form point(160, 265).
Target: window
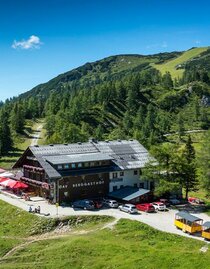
point(135, 172)
point(114, 188)
point(73, 165)
point(60, 167)
point(135, 185)
point(92, 164)
point(86, 164)
point(121, 174)
point(79, 165)
point(66, 166)
point(114, 175)
point(141, 185)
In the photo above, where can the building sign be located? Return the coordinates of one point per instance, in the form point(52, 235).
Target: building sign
point(63, 186)
point(87, 184)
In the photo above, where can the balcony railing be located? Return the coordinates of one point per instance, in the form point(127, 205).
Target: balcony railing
point(38, 183)
point(33, 168)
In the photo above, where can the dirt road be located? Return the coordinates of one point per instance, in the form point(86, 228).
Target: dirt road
point(36, 135)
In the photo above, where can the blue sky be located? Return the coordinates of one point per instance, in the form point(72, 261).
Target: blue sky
point(40, 39)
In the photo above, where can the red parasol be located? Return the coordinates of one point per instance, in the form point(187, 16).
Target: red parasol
point(2, 179)
point(8, 183)
point(20, 185)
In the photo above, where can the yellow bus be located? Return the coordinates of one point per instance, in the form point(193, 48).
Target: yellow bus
point(188, 223)
point(206, 230)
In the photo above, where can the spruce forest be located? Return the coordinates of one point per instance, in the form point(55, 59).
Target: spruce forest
point(119, 97)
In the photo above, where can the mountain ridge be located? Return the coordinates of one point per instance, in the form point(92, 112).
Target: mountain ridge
point(133, 60)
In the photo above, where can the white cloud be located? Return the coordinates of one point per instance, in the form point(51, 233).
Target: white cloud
point(33, 42)
point(198, 42)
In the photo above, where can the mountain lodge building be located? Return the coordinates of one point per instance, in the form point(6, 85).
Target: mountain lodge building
point(66, 172)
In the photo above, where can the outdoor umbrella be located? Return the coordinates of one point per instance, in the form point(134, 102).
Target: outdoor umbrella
point(2, 179)
point(7, 174)
point(20, 185)
point(8, 183)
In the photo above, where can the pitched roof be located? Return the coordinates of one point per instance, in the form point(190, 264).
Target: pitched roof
point(62, 159)
point(187, 216)
point(64, 149)
point(125, 154)
point(206, 224)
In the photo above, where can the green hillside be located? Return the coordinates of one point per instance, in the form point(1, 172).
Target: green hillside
point(119, 97)
point(18, 227)
point(129, 245)
point(171, 65)
point(107, 69)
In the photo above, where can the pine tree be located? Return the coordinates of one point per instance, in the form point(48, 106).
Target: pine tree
point(140, 118)
point(167, 81)
point(5, 135)
point(132, 96)
point(17, 118)
point(187, 168)
point(180, 126)
point(150, 119)
point(204, 162)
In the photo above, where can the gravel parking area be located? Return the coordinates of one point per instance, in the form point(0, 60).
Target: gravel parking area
point(163, 221)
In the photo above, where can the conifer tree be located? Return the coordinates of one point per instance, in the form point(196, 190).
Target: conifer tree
point(186, 167)
point(5, 135)
point(167, 81)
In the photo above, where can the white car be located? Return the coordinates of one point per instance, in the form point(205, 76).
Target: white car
point(128, 208)
point(159, 206)
point(111, 203)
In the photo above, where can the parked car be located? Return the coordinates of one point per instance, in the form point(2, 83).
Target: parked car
point(191, 200)
point(159, 206)
point(174, 201)
point(128, 208)
point(165, 202)
point(147, 207)
point(98, 202)
point(84, 204)
point(111, 203)
point(194, 200)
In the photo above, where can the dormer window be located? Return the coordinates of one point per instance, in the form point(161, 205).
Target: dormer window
point(114, 175)
point(60, 167)
point(66, 166)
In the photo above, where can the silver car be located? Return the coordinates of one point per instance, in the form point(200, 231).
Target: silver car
point(111, 203)
point(128, 208)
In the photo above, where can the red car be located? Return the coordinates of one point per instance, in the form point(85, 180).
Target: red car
point(194, 200)
point(147, 207)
